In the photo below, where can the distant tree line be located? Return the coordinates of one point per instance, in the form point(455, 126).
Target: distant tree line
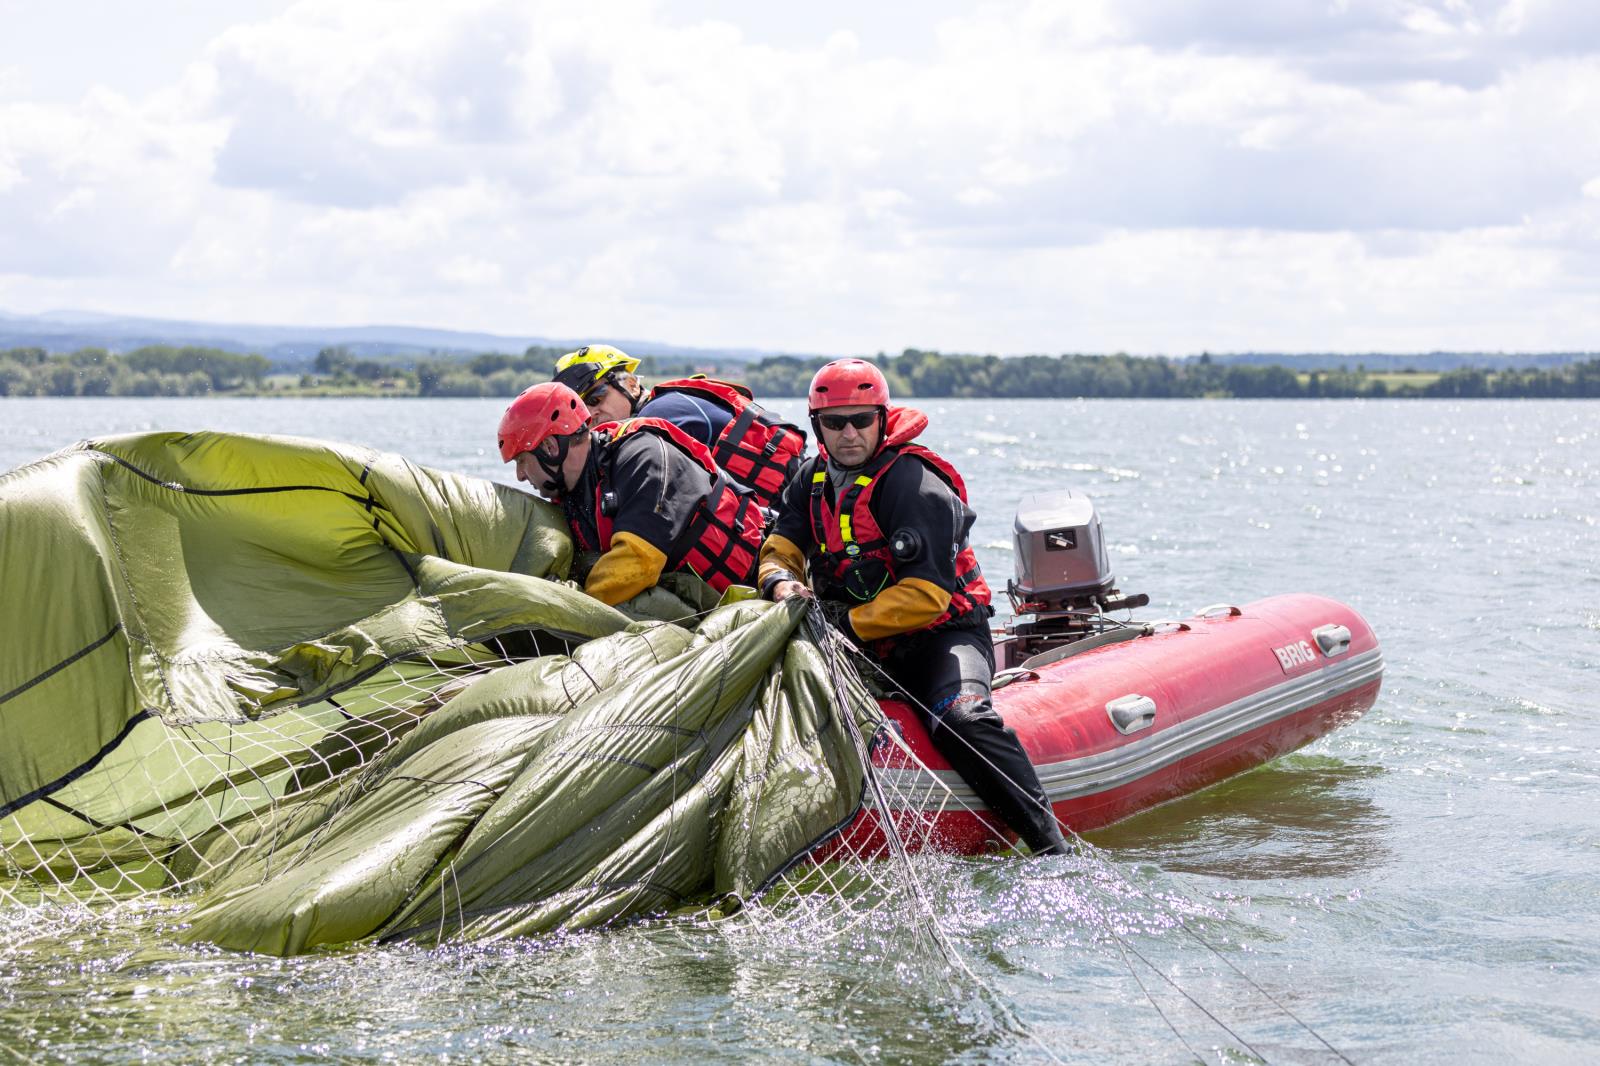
point(932, 374)
point(154, 370)
point(166, 370)
point(1436, 362)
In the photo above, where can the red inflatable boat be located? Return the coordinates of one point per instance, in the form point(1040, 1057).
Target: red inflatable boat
point(1121, 716)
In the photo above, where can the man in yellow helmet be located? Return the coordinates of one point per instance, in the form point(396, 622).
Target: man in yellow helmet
point(604, 377)
point(746, 442)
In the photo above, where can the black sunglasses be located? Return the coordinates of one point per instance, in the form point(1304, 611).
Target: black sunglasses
point(837, 422)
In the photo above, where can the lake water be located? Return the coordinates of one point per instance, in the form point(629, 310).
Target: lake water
point(1422, 886)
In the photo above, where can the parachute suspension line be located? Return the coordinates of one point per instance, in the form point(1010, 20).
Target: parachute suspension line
point(1270, 998)
point(909, 698)
point(357, 782)
point(449, 886)
point(1122, 948)
point(666, 844)
point(1218, 1022)
point(950, 797)
point(817, 626)
point(1088, 849)
point(831, 643)
point(1182, 922)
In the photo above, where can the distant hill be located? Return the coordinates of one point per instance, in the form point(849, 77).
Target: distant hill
point(292, 348)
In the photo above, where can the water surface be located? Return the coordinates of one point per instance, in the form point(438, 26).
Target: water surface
point(1422, 886)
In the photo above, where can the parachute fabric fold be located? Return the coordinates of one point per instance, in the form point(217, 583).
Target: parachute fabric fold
point(179, 609)
point(647, 770)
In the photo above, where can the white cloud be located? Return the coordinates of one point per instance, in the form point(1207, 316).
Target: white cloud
point(1152, 175)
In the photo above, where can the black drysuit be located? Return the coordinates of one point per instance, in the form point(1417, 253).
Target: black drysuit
point(946, 670)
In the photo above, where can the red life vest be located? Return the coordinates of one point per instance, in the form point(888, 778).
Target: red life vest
point(755, 449)
point(851, 555)
point(721, 540)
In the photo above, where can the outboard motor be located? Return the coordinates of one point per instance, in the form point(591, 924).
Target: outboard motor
point(1063, 577)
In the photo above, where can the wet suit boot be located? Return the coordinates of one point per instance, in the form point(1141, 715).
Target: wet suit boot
point(949, 672)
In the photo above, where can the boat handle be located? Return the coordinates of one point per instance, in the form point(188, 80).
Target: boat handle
point(1219, 608)
point(1333, 639)
point(1016, 673)
point(1132, 712)
point(1166, 623)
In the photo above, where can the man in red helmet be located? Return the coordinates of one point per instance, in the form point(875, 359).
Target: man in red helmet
point(641, 492)
point(880, 524)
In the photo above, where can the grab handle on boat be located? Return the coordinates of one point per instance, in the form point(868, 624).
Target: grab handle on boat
point(1016, 673)
point(1219, 608)
point(1333, 639)
point(1165, 624)
point(1132, 712)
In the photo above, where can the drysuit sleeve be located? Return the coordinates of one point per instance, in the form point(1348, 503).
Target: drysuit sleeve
point(631, 566)
point(908, 604)
point(781, 560)
point(914, 498)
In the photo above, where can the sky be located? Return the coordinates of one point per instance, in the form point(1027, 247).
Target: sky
point(1149, 176)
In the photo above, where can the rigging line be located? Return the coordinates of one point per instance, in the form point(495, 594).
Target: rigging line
point(345, 794)
point(1081, 843)
point(461, 905)
point(1015, 849)
point(1122, 949)
point(444, 902)
point(63, 664)
point(891, 832)
point(1218, 1022)
point(1184, 925)
point(817, 623)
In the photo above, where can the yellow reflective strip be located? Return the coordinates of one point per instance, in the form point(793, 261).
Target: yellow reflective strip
point(819, 476)
point(863, 480)
point(844, 528)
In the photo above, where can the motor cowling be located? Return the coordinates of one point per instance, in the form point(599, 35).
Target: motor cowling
point(1059, 554)
point(1063, 586)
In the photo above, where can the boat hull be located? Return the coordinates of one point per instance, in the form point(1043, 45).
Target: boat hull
point(1118, 729)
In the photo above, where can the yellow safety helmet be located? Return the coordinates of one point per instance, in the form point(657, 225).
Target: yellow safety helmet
point(587, 367)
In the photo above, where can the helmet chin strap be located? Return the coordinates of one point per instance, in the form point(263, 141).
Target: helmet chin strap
point(552, 466)
point(635, 399)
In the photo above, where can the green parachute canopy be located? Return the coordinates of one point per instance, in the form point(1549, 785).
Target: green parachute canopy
point(348, 696)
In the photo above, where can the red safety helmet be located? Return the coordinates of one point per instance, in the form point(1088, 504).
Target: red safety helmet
point(546, 410)
point(849, 383)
